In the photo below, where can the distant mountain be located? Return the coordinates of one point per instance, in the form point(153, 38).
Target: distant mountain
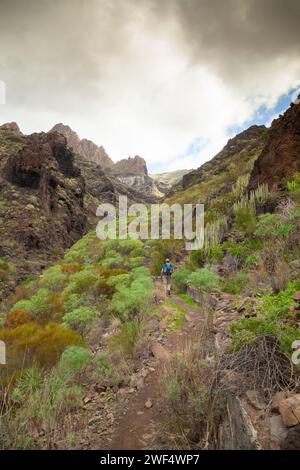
point(130, 166)
point(281, 156)
point(91, 152)
point(131, 172)
point(165, 181)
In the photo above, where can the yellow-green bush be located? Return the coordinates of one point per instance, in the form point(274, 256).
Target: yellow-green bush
point(43, 345)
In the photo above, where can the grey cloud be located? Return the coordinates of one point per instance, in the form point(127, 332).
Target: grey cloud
point(236, 37)
point(62, 47)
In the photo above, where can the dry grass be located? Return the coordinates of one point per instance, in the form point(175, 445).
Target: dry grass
point(191, 402)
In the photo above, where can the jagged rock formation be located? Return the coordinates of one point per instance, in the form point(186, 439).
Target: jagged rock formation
point(130, 166)
point(281, 156)
point(250, 142)
point(10, 126)
point(105, 187)
point(41, 200)
point(131, 172)
point(84, 147)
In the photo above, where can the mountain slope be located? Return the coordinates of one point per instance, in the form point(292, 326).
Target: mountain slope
point(218, 176)
point(280, 158)
point(42, 201)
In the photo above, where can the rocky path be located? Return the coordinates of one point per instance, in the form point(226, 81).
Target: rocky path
point(139, 427)
point(131, 417)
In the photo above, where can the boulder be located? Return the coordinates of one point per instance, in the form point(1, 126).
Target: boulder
point(277, 399)
point(290, 410)
point(255, 400)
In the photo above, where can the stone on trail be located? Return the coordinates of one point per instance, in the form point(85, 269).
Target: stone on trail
point(148, 403)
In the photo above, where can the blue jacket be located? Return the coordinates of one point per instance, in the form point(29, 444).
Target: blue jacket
point(168, 269)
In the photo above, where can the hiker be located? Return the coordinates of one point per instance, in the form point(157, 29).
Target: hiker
point(167, 271)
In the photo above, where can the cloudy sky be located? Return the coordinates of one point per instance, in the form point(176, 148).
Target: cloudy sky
point(170, 80)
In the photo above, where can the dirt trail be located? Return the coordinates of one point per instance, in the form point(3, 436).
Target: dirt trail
point(139, 426)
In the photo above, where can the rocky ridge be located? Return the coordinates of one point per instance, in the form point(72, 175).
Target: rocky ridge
point(280, 157)
point(42, 201)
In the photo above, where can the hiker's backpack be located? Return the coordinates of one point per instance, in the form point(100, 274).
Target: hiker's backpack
point(168, 269)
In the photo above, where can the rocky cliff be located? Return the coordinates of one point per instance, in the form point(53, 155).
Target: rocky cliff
point(128, 176)
point(280, 157)
point(84, 147)
point(102, 186)
point(131, 166)
point(41, 201)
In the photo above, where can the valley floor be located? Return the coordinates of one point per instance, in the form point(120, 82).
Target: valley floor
point(133, 416)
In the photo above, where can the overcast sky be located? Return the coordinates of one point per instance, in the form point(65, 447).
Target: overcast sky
point(170, 80)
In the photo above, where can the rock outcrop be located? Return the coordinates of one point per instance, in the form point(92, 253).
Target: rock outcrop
point(102, 186)
point(10, 126)
point(130, 166)
point(42, 201)
point(84, 147)
point(129, 175)
point(280, 157)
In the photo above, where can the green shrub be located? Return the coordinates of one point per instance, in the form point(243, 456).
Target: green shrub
point(44, 403)
point(216, 254)
point(80, 318)
point(73, 301)
point(135, 262)
point(276, 304)
point(126, 339)
point(251, 260)
point(119, 279)
point(53, 278)
point(127, 246)
point(105, 369)
point(236, 284)
point(129, 300)
point(38, 305)
point(245, 220)
point(29, 382)
point(294, 185)
point(113, 261)
point(253, 244)
point(204, 279)
point(197, 258)
point(76, 359)
point(238, 251)
point(81, 282)
point(267, 223)
point(180, 279)
point(247, 330)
